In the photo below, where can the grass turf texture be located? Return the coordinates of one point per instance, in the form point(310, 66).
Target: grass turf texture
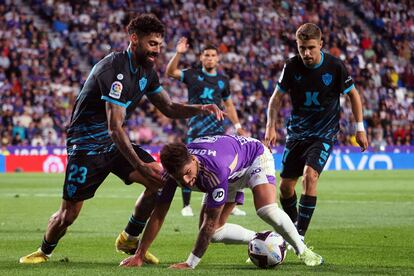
point(363, 224)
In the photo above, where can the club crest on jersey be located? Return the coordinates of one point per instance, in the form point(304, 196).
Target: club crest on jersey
point(298, 77)
point(327, 79)
point(142, 83)
point(200, 78)
point(220, 84)
point(116, 90)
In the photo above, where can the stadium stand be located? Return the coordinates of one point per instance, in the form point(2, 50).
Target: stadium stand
point(40, 75)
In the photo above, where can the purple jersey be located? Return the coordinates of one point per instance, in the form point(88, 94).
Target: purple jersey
point(222, 160)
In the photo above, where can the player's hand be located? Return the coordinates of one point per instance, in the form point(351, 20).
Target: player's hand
point(134, 260)
point(183, 265)
point(270, 137)
point(213, 109)
point(241, 132)
point(361, 139)
point(182, 45)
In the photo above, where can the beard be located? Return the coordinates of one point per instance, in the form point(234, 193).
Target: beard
point(142, 57)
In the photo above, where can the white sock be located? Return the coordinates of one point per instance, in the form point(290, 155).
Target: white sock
point(231, 233)
point(283, 225)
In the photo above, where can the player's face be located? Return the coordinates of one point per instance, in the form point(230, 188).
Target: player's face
point(310, 51)
point(209, 59)
point(147, 49)
point(187, 175)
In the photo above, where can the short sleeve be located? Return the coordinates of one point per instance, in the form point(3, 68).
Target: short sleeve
point(225, 93)
point(217, 196)
point(166, 195)
point(186, 75)
point(154, 86)
point(347, 83)
point(283, 83)
point(112, 89)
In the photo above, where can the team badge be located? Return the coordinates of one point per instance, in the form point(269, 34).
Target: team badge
point(220, 84)
point(200, 78)
point(120, 77)
point(298, 77)
point(116, 90)
point(218, 195)
point(71, 189)
point(142, 83)
point(327, 79)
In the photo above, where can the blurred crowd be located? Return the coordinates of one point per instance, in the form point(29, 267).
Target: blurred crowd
point(40, 75)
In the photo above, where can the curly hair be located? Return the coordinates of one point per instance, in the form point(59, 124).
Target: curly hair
point(174, 156)
point(146, 24)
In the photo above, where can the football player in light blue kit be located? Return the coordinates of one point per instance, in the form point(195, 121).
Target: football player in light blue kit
point(220, 167)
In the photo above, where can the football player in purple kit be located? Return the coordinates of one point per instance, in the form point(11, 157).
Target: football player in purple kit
point(221, 166)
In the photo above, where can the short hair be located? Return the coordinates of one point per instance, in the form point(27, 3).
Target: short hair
point(174, 156)
point(209, 47)
point(145, 24)
point(308, 31)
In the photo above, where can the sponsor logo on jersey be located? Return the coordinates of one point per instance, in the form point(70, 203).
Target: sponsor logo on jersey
point(120, 77)
point(142, 83)
point(298, 77)
point(218, 194)
point(327, 79)
point(116, 90)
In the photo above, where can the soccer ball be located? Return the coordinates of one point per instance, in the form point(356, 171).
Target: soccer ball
point(267, 249)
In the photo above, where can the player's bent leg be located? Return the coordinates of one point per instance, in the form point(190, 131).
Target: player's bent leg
point(288, 198)
point(57, 226)
point(308, 199)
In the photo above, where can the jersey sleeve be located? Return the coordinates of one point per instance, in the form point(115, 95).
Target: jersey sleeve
point(186, 75)
point(166, 195)
point(112, 89)
point(154, 86)
point(283, 84)
point(216, 195)
point(225, 93)
point(347, 83)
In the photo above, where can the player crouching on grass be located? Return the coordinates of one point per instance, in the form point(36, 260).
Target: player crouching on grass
point(221, 166)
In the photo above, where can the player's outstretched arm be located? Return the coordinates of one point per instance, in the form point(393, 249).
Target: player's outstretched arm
point(232, 114)
point(356, 105)
point(116, 117)
point(151, 231)
point(179, 110)
point(207, 230)
point(272, 109)
point(172, 66)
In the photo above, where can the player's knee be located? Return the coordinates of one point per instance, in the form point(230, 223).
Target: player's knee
point(269, 214)
point(286, 190)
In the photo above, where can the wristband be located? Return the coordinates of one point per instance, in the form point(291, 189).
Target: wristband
point(360, 126)
point(193, 260)
point(237, 126)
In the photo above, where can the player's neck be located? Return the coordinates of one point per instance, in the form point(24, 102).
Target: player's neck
point(209, 72)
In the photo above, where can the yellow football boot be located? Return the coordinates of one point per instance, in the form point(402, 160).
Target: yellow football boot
point(36, 257)
point(129, 246)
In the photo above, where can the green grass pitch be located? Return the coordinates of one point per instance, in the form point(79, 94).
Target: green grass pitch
point(363, 225)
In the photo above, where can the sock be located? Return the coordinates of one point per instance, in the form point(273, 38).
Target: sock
point(289, 206)
point(186, 196)
point(282, 224)
point(47, 247)
point(306, 207)
point(231, 233)
point(134, 226)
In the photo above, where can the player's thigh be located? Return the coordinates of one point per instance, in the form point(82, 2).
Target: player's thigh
point(317, 154)
point(84, 174)
point(124, 170)
point(293, 160)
